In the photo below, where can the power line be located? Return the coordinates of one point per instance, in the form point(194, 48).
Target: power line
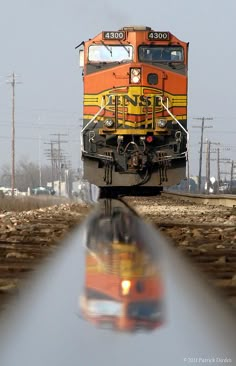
point(57, 157)
point(32, 138)
point(203, 119)
point(29, 124)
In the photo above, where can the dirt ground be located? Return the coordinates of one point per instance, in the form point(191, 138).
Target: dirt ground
point(27, 237)
point(205, 234)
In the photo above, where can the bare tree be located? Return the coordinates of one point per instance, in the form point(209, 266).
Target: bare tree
point(26, 175)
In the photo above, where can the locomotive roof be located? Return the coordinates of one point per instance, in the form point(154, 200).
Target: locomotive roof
point(132, 28)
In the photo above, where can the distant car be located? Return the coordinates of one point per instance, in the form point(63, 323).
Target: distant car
point(8, 191)
point(43, 191)
point(224, 187)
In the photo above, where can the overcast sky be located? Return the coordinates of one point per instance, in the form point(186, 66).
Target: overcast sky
point(38, 39)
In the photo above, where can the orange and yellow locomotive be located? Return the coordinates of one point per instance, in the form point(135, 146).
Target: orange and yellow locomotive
point(135, 108)
point(124, 287)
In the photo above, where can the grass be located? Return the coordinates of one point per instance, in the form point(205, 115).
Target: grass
point(29, 203)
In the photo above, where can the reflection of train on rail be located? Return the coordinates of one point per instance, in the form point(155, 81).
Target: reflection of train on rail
point(123, 286)
point(135, 108)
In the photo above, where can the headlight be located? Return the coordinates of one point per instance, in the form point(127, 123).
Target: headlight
point(109, 123)
point(135, 75)
point(125, 287)
point(162, 123)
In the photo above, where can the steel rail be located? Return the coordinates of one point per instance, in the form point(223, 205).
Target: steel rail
point(214, 200)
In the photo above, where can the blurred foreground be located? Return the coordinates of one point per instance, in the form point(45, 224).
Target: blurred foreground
point(117, 272)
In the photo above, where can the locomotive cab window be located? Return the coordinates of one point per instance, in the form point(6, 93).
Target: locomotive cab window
point(161, 54)
point(109, 53)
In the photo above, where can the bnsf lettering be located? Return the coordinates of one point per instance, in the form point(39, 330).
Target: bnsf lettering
point(126, 100)
point(144, 101)
point(135, 100)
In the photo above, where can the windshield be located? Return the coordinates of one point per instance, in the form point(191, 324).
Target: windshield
point(108, 53)
point(104, 308)
point(150, 310)
point(161, 53)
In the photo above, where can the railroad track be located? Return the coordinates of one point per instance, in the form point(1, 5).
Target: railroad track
point(206, 234)
point(224, 200)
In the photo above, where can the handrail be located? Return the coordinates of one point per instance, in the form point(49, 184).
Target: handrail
point(91, 120)
point(166, 107)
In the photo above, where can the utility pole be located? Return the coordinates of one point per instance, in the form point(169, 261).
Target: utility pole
point(52, 161)
point(59, 158)
point(40, 165)
point(203, 119)
point(208, 167)
point(218, 169)
point(13, 83)
point(228, 161)
point(219, 160)
point(231, 176)
point(39, 155)
point(212, 151)
point(51, 154)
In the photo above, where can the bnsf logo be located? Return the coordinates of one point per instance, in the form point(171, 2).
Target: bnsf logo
point(135, 100)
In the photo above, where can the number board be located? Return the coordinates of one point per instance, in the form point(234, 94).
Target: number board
point(158, 36)
point(110, 35)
